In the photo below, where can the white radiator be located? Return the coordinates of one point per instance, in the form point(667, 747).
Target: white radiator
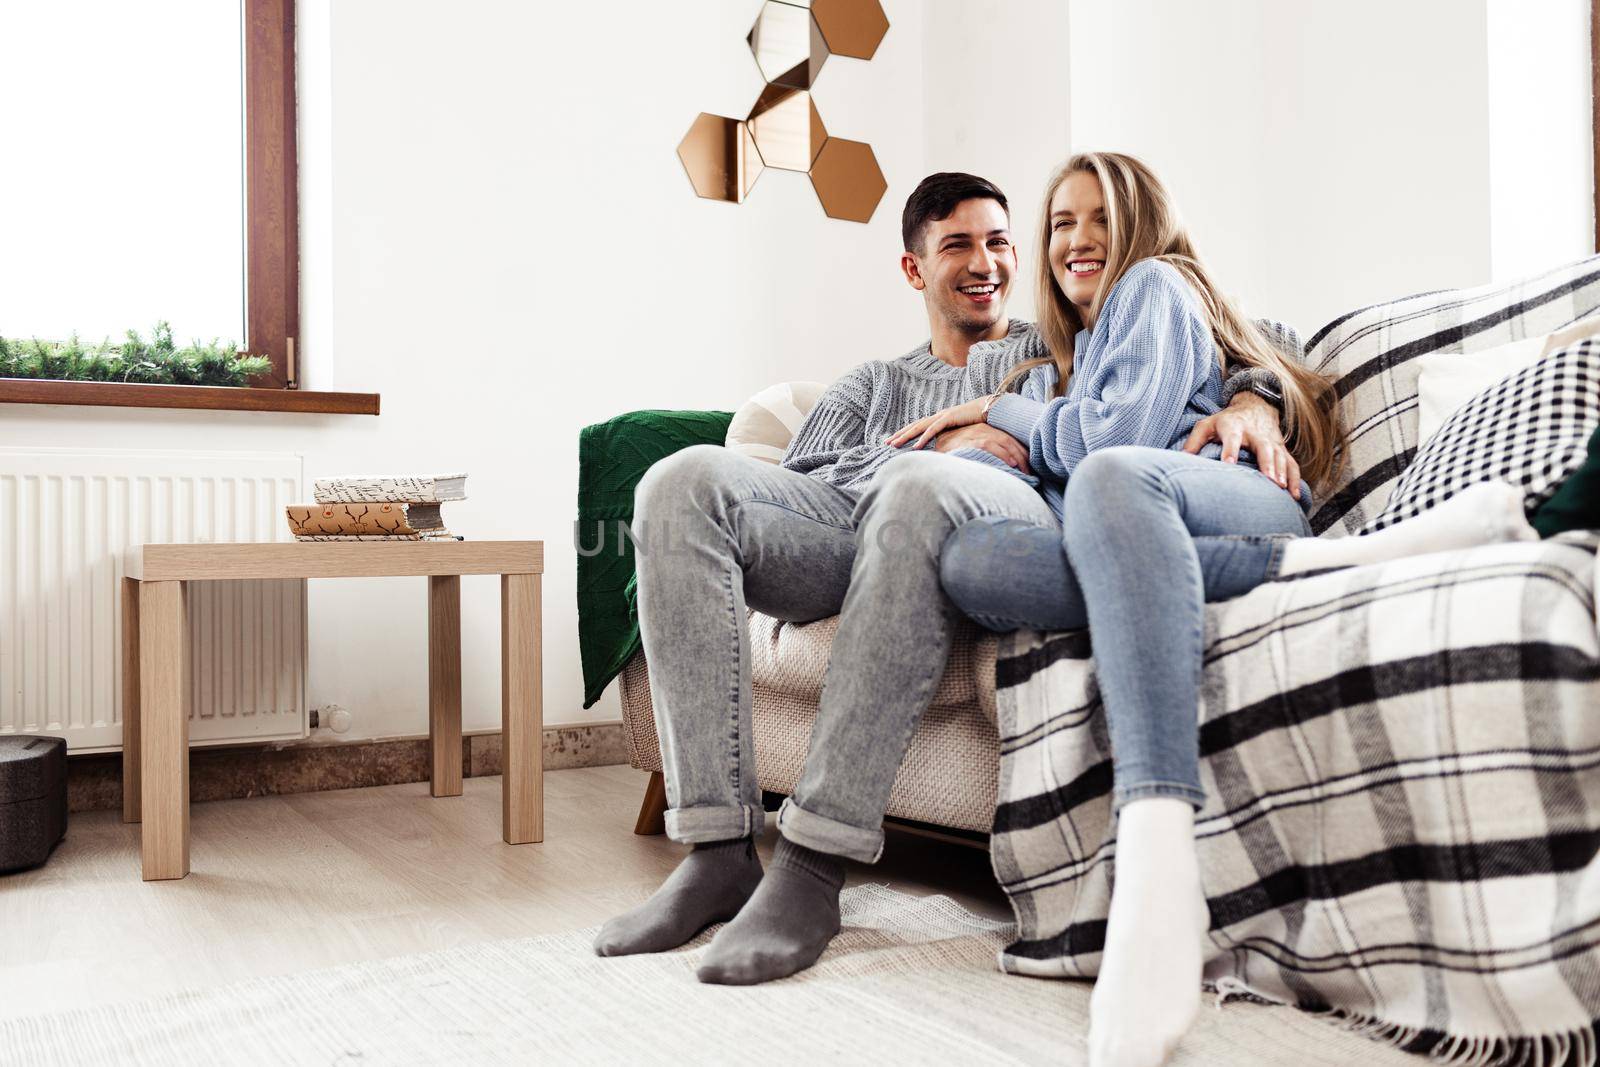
point(66, 518)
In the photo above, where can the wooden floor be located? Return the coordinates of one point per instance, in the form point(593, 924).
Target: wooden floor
point(286, 883)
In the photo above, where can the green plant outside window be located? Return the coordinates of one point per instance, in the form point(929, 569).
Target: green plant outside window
point(157, 361)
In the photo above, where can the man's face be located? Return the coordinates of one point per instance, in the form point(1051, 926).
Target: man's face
point(965, 265)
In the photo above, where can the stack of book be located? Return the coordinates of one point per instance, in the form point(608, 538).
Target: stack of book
point(377, 509)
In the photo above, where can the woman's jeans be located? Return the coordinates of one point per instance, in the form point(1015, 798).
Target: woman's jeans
point(1150, 536)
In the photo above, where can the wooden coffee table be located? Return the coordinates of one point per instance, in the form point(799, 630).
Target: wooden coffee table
point(155, 696)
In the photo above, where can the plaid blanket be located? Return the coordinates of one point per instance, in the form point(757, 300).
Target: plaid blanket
point(1373, 353)
point(1402, 762)
point(1404, 805)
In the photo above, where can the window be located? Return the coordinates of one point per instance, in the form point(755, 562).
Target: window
point(152, 177)
point(272, 276)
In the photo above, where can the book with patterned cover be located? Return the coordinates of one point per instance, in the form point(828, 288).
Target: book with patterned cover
point(433, 535)
point(391, 489)
point(385, 519)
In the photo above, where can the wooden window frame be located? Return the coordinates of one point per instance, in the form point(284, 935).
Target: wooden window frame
point(272, 253)
point(272, 206)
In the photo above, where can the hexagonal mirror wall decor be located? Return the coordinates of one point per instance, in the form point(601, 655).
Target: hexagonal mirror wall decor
point(721, 158)
point(787, 129)
point(790, 41)
point(847, 180)
point(850, 27)
point(788, 45)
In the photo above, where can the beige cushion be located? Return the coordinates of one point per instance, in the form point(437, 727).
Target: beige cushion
point(949, 774)
point(1449, 379)
point(765, 424)
point(792, 658)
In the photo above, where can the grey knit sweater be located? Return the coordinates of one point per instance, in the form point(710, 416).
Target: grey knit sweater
point(841, 441)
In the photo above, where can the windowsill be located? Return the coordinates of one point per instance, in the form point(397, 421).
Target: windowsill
point(209, 397)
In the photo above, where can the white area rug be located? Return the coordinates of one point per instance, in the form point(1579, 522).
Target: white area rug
point(909, 980)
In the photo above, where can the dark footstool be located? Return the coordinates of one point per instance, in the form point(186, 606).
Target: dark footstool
point(33, 799)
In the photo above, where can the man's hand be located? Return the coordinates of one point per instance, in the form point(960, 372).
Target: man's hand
point(993, 441)
point(1252, 422)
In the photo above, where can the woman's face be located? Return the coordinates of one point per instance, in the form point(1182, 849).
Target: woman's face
point(1078, 239)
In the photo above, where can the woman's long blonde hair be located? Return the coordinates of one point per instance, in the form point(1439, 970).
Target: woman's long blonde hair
point(1142, 223)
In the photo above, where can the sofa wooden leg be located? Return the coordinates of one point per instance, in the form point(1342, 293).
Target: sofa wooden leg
point(652, 813)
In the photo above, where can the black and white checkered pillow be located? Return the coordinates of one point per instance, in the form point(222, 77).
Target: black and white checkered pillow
point(1531, 430)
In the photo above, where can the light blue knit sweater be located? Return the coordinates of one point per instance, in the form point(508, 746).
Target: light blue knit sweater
point(1144, 375)
point(842, 441)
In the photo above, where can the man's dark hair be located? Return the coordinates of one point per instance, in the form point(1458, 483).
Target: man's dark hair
point(937, 197)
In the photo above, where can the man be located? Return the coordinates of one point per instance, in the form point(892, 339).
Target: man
point(847, 526)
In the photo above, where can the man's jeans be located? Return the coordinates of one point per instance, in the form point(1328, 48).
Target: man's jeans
point(1150, 535)
point(717, 532)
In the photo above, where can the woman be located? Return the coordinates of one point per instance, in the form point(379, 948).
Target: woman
point(1138, 332)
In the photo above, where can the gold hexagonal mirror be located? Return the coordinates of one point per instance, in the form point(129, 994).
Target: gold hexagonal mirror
point(847, 180)
point(787, 129)
point(788, 45)
point(850, 27)
point(791, 39)
point(721, 158)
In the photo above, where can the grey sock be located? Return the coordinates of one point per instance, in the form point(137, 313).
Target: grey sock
point(788, 922)
point(710, 886)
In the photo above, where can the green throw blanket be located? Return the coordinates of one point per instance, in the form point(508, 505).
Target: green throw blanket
point(612, 457)
point(1576, 505)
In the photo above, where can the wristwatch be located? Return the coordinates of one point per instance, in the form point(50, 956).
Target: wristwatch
point(987, 404)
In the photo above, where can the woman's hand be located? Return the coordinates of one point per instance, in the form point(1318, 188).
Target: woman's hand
point(997, 443)
point(925, 430)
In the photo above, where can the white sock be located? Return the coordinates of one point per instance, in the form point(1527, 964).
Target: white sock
point(1484, 514)
point(1148, 990)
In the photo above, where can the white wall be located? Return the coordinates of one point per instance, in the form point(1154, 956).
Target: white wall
point(517, 253)
point(1541, 135)
point(996, 104)
point(1326, 156)
point(499, 238)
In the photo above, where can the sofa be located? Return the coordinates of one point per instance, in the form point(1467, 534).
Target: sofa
point(948, 778)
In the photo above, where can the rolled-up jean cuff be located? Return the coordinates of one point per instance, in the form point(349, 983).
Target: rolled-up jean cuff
point(689, 825)
point(1120, 798)
point(822, 834)
point(1275, 557)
